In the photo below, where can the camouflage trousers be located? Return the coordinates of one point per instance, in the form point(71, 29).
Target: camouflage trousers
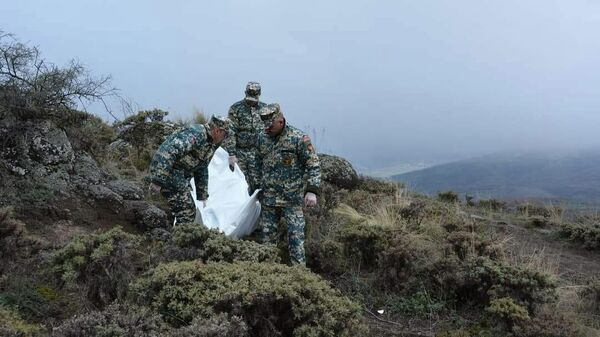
point(247, 163)
point(293, 218)
point(182, 205)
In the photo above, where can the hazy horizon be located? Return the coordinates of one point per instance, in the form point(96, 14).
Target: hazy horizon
point(379, 83)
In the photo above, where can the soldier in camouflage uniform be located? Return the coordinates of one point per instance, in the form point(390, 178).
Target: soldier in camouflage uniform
point(290, 177)
point(183, 155)
point(247, 126)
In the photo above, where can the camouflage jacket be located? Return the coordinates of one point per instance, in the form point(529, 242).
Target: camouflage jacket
point(183, 155)
point(247, 126)
point(289, 167)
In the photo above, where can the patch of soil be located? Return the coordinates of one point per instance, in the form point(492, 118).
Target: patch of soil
point(573, 264)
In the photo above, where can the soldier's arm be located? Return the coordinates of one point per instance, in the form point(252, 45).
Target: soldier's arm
point(165, 158)
point(259, 159)
point(201, 181)
point(229, 144)
point(310, 161)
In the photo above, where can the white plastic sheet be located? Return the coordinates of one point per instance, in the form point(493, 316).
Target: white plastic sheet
point(229, 208)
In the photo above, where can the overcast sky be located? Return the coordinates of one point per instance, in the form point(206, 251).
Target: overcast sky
point(379, 82)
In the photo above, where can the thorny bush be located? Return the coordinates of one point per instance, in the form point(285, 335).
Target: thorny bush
point(273, 299)
point(102, 263)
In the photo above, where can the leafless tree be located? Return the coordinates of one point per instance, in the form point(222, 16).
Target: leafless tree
point(31, 86)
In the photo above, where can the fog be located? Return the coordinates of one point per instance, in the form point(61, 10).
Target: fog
point(378, 82)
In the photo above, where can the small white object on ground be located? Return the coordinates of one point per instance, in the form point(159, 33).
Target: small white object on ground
point(380, 311)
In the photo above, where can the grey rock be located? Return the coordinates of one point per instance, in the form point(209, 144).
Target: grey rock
point(338, 171)
point(152, 217)
point(120, 149)
point(145, 215)
point(126, 189)
point(87, 169)
point(104, 194)
point(49, 145)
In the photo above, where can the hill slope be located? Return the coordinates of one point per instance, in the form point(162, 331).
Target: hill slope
point(528, 175)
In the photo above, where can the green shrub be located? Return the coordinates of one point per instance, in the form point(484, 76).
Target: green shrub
point(319, 219)
point(586, 234)
point(415, 212)
point(378, 186)
point(403, 264)
point(361, 200)
point(465, 244)
point(272, 298)
point(363, 242)
point(369, 193)
point(114, 321)
point(87, 132)
point(326, 257)
point(34, 301)
point(144, 132)
point(220, 325)
point(486, 280)
point(419, 303)
point(103, 263)
point(423, 211)
point(123, 320)
point(197, 242)
point(12, 325)
point(448, 196)
point(507, 311)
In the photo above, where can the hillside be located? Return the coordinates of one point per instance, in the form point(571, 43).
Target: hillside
point(86, 250)
point(528, 175)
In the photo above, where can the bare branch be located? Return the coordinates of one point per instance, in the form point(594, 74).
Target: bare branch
point(28, 81)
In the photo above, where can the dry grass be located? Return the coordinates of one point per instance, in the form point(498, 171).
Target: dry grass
point(381, 215)
point(197, 117)
point(522, 255)
point(572, 301)
point(556, 212)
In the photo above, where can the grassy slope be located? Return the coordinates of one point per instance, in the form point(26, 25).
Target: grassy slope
point(386, 249)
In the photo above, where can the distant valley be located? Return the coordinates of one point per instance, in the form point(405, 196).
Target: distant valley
point(574, 176)
point(393, 170)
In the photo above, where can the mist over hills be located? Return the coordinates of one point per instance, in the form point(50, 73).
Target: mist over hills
point(574, 176)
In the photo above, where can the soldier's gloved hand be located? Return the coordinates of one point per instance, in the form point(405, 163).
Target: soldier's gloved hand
point(310, 199)
point(203, 203)
point(232, 161)
point(153, 188)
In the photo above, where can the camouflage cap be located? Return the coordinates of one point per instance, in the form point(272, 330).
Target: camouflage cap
point(253, 89)
point(269, 112)
point(220, 123)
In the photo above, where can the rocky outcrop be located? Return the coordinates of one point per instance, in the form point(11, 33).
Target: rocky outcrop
point(146, 216)
point(49, 145)
point(40, 167)
point(128, 190)
point(338, 171)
